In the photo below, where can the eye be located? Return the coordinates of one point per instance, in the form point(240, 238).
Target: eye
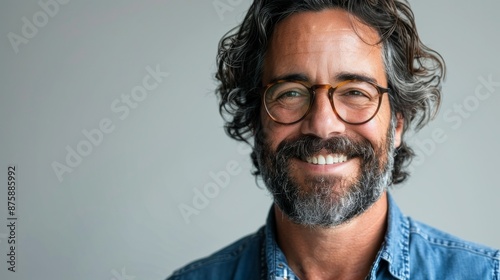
point(287, 92)
point(287, 96)
point(356, 91)
point(290, 94)
point(353, 92)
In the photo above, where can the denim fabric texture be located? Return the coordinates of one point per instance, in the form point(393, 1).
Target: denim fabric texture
point(411, 250)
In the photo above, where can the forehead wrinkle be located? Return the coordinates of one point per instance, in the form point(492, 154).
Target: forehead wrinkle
point(295, 64)
point(299, 49)
point(342, 21)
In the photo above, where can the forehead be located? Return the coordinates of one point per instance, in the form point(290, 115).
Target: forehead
point(319, 43)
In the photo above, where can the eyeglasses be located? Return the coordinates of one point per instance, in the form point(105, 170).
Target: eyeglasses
point(353, 101)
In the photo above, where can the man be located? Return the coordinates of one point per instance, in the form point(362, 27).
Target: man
point(327, 90)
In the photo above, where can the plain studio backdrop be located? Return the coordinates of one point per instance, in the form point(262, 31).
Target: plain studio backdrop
point(108, 114)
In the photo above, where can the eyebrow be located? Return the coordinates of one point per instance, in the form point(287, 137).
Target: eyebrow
point(342, 76)
point(294, 76)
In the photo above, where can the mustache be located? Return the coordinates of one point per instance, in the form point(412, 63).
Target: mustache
point(308, 145)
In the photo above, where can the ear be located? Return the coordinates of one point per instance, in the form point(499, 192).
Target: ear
point(398, 134)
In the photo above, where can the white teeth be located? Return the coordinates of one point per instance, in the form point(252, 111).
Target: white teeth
point(329, 159)
point(321, 159)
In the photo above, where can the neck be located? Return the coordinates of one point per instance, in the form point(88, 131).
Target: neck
point(346, 251)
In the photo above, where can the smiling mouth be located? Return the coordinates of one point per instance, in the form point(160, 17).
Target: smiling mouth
point(326, 160)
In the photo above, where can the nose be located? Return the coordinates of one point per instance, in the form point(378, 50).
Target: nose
point(321, 121)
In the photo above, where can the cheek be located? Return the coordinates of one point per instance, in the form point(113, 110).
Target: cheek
point(268, 130)
point(375, 130)
point(275, 133)
point(384, 114)
point(377, 127)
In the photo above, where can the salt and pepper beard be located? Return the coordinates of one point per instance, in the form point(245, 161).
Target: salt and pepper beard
point(328, 200)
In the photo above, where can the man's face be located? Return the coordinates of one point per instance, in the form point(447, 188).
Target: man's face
point(322, 47)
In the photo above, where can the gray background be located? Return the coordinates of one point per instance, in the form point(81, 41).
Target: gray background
point(116, 215)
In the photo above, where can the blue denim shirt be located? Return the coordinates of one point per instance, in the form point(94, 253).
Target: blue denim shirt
point(411, 250)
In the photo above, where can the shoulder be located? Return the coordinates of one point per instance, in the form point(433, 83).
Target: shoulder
point(239, 260)
point(448, 255)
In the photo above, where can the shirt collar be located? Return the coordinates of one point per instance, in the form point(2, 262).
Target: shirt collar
point(395, 249)
point(277, 266)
